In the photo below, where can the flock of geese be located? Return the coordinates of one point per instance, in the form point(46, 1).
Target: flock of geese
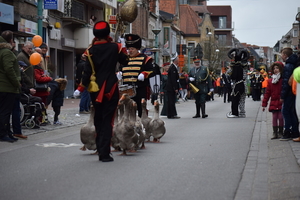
point(130, 132)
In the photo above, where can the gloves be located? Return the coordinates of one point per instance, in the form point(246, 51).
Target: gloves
point(141, 77)
point(192, 79)
point(119, 75)
point(76, 93)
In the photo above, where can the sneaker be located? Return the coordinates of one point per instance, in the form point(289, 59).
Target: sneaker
point(229, 115)
point(57, 123)
point(285, 138)
point(84, 112)
point(10, 135)
point(108, 158)
point(6, 139)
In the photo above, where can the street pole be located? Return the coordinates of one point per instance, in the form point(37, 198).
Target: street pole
point(189, 57)
point(156, 32)
point(40, 17)
point(209, 56)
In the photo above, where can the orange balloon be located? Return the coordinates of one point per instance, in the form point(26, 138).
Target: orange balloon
point(37, 40)
point(35, 59)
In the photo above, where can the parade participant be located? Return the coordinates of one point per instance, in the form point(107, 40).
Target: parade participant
point(172, 87)
point(273, 92)
point(226, 85)
point(103, 56)
point(256, 83)
point(200, 77)
point(239, 61)
point(138, 71)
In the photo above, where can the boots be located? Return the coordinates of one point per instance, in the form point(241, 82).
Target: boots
point(280, 131)
point(197, 111)
point(204, 115)
point(275, 132)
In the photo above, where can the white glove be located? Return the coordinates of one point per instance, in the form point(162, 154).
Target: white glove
point(76, 93)
point(192, 79)
point(141, 77)
point(119, 75)
point(211, 90)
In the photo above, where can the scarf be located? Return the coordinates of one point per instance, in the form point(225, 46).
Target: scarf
point(275, 78)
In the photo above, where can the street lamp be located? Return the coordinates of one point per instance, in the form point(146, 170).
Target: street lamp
point(209, 50)
point(156, 32)
point(189, 56)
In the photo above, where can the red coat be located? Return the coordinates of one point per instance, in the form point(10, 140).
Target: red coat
point(273, 91)
point(41, 78)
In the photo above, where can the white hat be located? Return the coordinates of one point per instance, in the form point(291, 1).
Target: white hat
point(174, 56)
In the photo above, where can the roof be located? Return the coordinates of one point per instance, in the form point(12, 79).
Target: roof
point(200, 8)
point(187, 14)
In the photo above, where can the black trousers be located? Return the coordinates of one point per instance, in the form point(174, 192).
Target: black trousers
point(140, 94)
point(103, 121)
point(171, 109)
point(6, 107)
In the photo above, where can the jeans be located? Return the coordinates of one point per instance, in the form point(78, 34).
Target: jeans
point(16, 126)
point(85, 101)
point(289, 114)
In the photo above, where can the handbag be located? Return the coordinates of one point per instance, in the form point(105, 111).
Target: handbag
point(41, 87)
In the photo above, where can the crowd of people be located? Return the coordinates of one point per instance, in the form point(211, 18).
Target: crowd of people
point(105, 65)
point(19, 80)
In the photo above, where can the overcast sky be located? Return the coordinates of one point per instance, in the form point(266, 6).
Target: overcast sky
point(261, 22)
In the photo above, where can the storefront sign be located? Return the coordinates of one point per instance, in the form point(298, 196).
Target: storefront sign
point(6, 14)
point(27, 26)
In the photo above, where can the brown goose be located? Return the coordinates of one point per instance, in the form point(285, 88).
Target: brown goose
point(88, 133)
point(157, 125)
point(115, 143)
point(145, 120)
point(125, 127)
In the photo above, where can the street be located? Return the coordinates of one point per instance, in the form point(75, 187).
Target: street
point(212, 158)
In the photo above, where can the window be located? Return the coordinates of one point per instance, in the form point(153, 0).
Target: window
point(222, 39)
point(295, 33)
point(222, 22)
point(192, 49)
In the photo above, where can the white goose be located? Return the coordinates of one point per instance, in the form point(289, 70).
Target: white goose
point(145, 120)
point(157, 125)
point(88, 133)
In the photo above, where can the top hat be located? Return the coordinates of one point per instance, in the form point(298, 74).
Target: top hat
point(196, 59)
point(101, 29)
point(133, 40)
point(174, 56)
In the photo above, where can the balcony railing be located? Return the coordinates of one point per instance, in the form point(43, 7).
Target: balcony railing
point(74, 11)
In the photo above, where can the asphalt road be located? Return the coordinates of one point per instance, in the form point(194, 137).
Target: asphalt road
point(196, 159)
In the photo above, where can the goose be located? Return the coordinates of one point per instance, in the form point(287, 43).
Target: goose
point(125, 127)
point(88, 133)
point(115, 143)
point(145, 120)
point(138, 127)
point(157, 125)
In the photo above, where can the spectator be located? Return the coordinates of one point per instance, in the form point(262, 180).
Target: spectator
point(291, 123)
point(85, 100)
point(10, 84)
point(24, 56)
point(273, 93)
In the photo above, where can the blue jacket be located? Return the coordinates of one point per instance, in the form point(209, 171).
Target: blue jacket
point(290, 65)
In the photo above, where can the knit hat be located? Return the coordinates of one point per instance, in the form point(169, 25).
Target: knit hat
point(133, 40)
point(44, 45)
point(101, 29)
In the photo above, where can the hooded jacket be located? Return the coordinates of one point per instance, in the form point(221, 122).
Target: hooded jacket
point(273, 92)
point(9, 69)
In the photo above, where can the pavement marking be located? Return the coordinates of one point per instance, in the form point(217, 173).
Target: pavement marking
point(58, 145)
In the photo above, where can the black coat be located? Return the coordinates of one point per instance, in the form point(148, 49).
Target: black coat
point(79, 71)
point(173, 79)
point(56, 95)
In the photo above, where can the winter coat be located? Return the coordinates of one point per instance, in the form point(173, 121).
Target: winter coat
point(79, 71)
point(56, 95)
point(29, 71)
point(173, 79)
point(273, 92)
point(9, 69)
point(290, 65)
point(40, 77)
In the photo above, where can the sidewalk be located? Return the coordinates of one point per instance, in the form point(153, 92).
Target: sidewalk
point(69, 116)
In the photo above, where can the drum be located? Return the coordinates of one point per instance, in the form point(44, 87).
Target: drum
point(127, 89)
